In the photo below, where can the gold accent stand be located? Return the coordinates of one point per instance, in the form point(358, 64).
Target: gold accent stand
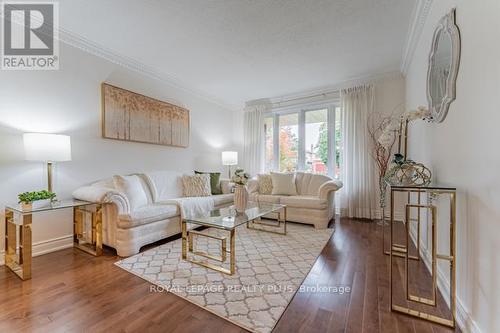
point(402, 251)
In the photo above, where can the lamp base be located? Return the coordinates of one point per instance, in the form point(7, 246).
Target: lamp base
point(49, 176)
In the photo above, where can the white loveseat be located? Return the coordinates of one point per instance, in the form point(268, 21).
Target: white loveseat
point(314, 204)
point(126, 229)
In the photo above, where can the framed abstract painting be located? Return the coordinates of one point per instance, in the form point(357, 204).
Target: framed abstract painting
point(129, 116)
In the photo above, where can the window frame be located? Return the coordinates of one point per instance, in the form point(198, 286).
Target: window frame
point(301, 158)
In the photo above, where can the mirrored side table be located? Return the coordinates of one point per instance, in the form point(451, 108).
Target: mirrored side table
point(18, 221)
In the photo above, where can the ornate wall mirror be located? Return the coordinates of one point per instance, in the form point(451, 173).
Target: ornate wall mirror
point(442, 73)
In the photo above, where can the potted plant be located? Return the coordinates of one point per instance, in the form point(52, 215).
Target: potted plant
point(36, 199)
point(240, 179)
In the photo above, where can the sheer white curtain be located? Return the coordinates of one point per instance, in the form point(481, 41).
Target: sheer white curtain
point(358, 197)
point(253, 139)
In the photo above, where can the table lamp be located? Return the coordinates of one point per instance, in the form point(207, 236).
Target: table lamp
point(48, 148)
point(229, 158)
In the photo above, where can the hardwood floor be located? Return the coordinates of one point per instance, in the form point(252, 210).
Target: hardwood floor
point(75, 292)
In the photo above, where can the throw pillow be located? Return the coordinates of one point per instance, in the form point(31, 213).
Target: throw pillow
point(265, 183)
point(283, 183)
point(131, 187)
point(196, 186)
point(215, 187)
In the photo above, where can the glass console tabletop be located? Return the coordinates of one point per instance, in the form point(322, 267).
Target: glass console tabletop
point(430, 187)
point(228, 218)
point(60, 204)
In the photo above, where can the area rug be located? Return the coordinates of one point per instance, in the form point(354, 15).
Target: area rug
point(270, 268)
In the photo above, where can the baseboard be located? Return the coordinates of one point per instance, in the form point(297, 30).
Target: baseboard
point(46, 246)
point(463, 317)
point(52, 245)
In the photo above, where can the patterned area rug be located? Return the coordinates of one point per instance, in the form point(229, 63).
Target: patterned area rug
point(269, 270)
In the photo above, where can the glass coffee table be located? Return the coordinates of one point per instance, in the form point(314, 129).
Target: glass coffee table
point(229, 219)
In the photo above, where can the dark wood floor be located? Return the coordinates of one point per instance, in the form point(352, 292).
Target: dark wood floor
point(74, 292)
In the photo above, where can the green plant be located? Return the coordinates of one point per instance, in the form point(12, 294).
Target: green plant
point(28, 197)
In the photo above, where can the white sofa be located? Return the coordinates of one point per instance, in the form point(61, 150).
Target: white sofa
point(314, 204)
point(126, 229)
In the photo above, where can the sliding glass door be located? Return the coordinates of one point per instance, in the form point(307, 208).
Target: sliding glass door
point(304, 140)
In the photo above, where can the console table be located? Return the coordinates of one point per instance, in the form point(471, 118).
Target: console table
point(18, 255)
point(414, 305)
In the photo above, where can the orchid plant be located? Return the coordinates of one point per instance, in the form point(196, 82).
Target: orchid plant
point(393, 126)
point(384, 132)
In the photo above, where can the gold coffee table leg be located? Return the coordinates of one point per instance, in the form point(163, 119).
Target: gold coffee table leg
point(280, 223)
point(184, 240)
point(188, 247)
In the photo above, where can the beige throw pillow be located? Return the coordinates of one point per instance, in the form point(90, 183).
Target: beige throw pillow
point(265, 183)
point(131, 187)
point(283, 183)
point(196, 185)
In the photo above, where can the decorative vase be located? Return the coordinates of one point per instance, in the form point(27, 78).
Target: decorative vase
point(240, 198)
point(27, 205)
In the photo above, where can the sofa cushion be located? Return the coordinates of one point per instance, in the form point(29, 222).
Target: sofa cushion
point(223, 199)
point(196, 186)
point(265, 183)
point(283, 183)
point(147, 214)
point(268, 198)
point(215, 186)
point(164, 184)
point(304, 201)
point(309, 183)
point(132, 188)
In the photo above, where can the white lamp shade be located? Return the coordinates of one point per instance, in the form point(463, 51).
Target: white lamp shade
point(47, 147)
point(229, 157)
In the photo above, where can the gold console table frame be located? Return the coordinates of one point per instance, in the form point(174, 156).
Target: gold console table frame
point(402, 251)
point(18, 255)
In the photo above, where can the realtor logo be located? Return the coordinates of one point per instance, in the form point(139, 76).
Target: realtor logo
point(30, 36)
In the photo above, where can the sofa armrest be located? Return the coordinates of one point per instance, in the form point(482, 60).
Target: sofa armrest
point(103, 195)
point(253, 186)
point(329, 186)
point(226, 186)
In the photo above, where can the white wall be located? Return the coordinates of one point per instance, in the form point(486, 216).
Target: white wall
point(68, 102)
point(463, 151)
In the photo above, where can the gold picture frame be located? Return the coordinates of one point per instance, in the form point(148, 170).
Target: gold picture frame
point(129, 116)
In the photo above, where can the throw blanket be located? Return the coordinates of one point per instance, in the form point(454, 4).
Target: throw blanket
point(193, 206)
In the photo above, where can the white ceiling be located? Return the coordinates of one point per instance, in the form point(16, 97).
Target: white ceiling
point(240, 50)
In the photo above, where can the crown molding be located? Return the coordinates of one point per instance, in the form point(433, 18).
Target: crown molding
point(418, 19)
point(322, 94)
point(88, 46)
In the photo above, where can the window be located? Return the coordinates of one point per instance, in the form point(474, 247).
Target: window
point(269, 150)
point(316, 153)
point(288, 142)
point(305, 140)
